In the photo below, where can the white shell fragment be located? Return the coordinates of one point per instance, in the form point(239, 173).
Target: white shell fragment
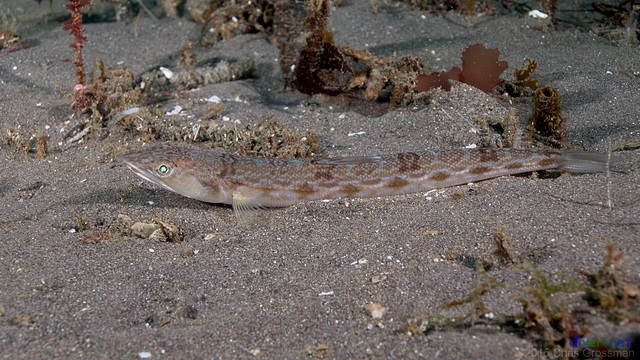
point(537, 14)
point(214, 99)
point(176, 110)
point(167, 73)
point(133, 110)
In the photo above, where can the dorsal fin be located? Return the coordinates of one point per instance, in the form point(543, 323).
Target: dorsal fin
point(349, 160)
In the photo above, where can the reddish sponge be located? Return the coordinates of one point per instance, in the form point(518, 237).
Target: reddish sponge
point(427, 82)
point(480, 68)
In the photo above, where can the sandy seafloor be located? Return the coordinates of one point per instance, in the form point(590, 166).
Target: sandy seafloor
point(255, 291)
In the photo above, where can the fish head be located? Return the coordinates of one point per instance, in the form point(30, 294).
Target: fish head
point(173, 168)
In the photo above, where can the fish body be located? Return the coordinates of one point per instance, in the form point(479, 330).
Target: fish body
point(251, 182)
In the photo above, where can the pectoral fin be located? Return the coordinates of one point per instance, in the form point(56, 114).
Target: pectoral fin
point(244, 207)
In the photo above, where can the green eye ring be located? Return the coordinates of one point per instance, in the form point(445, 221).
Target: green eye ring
point(163, 169)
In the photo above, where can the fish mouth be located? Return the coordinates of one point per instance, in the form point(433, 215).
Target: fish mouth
point(144, 173)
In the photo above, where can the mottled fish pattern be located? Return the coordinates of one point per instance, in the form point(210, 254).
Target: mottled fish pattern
point(251, 182)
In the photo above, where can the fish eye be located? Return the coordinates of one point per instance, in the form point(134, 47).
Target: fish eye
point(163, 169)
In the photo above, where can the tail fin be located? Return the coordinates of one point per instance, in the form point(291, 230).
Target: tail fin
point(584, 162)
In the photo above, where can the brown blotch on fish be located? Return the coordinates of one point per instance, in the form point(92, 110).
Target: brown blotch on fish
point(349, 190)
point(440, 176)
point(235, 182)
point(458, 169)
point(323, 175)
point(486, 156)
point(231, 169)
point(396, 183)
point(416, 175)
point(547, 162)
point(511, 166)
point(228, 169)
point(364, 170)
point(408, 162)
point(479, 170)
point(212, 186)
point(305, 189)
point(223, 171)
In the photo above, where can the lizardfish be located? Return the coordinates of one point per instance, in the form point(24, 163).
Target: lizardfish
point(252, 182)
